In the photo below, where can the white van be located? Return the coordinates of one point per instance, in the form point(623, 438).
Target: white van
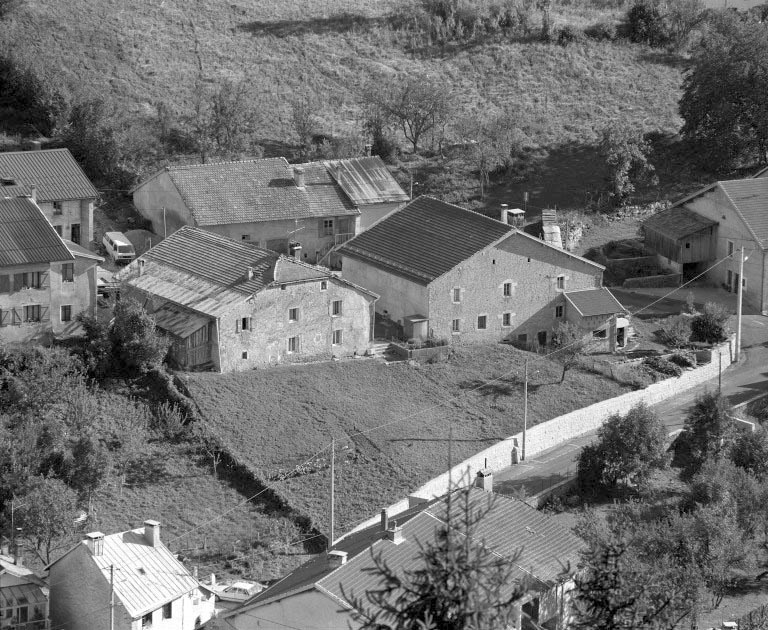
point(119, 247)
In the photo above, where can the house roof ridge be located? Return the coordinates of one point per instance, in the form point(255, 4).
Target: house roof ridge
point(179, 167)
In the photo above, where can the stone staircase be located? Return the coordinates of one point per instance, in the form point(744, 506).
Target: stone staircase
point(381, 349)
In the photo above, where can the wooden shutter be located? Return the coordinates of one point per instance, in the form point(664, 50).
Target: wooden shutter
point(5, 316)
point(45, 314)
point(17, 319)
point(237, 325)
point(5, 284)
point(44, 279)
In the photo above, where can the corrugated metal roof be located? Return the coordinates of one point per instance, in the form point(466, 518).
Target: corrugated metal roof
point(22, 594)
point(750, 198)
point(538, 545)
point(146, 577)
point(257, 190)
point(54, 172)
point(366, 180)
point(26, 237)
point(592, 302)
point(425, 239)
point(677, 222)
point(77, 250)
point(178, 320)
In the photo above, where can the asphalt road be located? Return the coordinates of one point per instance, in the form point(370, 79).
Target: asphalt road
point(741, 382)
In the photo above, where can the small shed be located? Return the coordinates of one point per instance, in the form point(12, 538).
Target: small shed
point(681, 238)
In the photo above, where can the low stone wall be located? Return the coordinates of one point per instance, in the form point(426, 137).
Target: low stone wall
point(665, 280)
point(421, 354)
point(547, 435)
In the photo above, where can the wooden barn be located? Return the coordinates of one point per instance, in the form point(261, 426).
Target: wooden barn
point(683, 240)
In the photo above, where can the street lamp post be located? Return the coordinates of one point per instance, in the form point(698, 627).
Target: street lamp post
point(525, 409)
point(740, 294)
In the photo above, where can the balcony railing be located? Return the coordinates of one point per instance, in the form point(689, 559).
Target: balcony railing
point(338, 239)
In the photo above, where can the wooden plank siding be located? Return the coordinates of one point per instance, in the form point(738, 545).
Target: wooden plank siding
point(696, 247)
point(194, 350)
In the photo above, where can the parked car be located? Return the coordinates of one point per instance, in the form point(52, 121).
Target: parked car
point(118, 247)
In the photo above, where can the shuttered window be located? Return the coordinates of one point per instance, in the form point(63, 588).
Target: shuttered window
point(68, 272)
point(5, 317)
point(5, 284)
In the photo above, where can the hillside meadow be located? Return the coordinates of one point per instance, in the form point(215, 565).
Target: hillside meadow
point(390, 423)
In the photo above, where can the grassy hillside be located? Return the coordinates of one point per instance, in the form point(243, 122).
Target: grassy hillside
point(390, 423)
point(145, 53)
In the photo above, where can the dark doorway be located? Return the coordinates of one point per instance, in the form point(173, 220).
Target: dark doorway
point(542, 338)
point(75, 233)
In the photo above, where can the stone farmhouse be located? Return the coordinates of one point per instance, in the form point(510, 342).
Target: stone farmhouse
point(305, 210)
point(55, 181)
point(316, 594)
point(448, 273)
point(152, 589)
point(715, 223)
point(45, 281)
point(23, 596)
point(229, 305)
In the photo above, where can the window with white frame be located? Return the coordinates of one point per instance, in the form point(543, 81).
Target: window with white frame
point(293, 314)
point(68, 272)
point(507, 289)
point(558, 311)
point(327, 227)
point(506, 320)
point(730, 248)
point(66, 313)
point(456, 295)
point(482, 322)
point(293, 344)
point(32, 313)
point(338, 336)
point(242, 323)
point(456, 326)
point(336, 308)
point(561, 282)
point(323, 285)
point(58, 207)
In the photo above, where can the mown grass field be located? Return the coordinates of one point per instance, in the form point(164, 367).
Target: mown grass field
point(390, 423)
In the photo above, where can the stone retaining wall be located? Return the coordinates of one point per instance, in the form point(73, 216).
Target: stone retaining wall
point(664, 280)
point(549, 434)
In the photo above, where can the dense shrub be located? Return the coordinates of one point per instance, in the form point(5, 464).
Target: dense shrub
point(8, 6)
point(663, 366)
point(675, 331)
point(683, 360)
point(602, 31)
point(645, 24)
point(709, 325)
point(758, 409)
point(569, 35)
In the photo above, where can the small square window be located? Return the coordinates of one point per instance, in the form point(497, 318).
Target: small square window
point(5, 284)
point(507, 289)
point(506, 319)
point(293, 314)
point(32, 313)
point(687, 246)
point(323, 285)
point(168, 608)
point(730, 248)
point(66, 313)
point(293, 344)
point(68, 272)
point(245, 356)
point(327, 227)
point(242, 323)
point(482, 322)
point(561, 282)
point(338, 335)
point(58, 207)
point(456, 295)
point(336, 308)
point(456, 325)
point(246, 237)
point(558, 311)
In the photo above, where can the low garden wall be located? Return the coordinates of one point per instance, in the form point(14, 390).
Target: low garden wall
point(551, 433)
point(664, 280)
point(421, 354)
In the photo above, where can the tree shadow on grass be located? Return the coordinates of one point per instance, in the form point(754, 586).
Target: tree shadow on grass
point(335, 24)
point(505, 386)
point(150, 470)
point(665, 58)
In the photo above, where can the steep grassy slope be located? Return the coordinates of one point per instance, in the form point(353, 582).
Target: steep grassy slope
point(390, 423)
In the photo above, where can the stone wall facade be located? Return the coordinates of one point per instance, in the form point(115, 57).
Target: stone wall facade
point(68, 213)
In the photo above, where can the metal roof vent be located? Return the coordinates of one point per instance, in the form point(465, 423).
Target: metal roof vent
point(394, 533)
point(336, 558)
point(95, 542)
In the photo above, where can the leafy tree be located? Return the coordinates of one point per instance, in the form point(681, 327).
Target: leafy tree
point(46, 515)
point(416, 103)
point(709, 326)
point(707, 425)
point(98, 351)
point(682, 17)
point(628, 447)
point(675, 331)
point(9, 6)
point(304, 122)
point(645, 24)
point(124, 433)
point(568, 339)
point(233, 115)
point(137, 343)
point(459, 583)
point(749, 451)
point(723, 100)
point(88, 467)
point(626, 155)
point(376, 124)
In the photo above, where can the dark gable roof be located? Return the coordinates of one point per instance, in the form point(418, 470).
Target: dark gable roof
point(509, 527)
point(425, 239)
point(750, 198)
point(54, 172)
point(257, 190)
point(593, 302)
point(26, 237)
point(366, 180)
point(677, 222)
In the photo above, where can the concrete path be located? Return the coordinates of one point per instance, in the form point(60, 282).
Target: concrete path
point(742, 382)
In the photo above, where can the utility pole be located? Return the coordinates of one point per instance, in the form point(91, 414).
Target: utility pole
point(333, 478)
point(525, 409)
point(737, 352)
point(111, 597)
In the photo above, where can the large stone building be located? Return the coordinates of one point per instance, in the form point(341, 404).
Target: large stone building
point(305, 209)
point(712, 225)
point(45, 281)
point(55, 181)
point(229, 305)
point(445, 272)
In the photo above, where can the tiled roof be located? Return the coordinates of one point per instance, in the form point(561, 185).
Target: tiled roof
point(146, 577)
point(677, 222)
point(208, 273)
point(750, 198)
point(537, 545)
point(366, 180)
point(425, 239)
point(592, 302)
point(11, 596)
point(54, 172)
point(78, 250)
point(257, 190)
point(26, 237)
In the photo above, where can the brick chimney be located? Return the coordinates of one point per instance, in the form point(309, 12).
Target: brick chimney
point(336, 558)
point(504, 213)
point(152, 533)
point(384, 520)
point(95, 542)
point(298, 177)
point(368, 149)
point(18, 554)
point(484, 479)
